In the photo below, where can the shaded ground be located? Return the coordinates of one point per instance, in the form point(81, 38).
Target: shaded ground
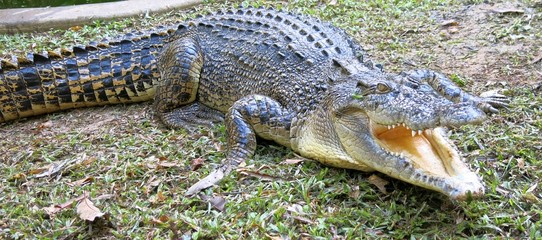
point(136, 171)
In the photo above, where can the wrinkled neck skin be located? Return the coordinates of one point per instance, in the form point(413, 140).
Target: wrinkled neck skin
point(400, 133)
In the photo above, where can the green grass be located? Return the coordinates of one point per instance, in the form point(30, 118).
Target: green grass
point(141, 169)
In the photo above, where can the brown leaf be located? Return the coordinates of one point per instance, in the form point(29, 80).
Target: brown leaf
point(218, 146)
point(76, 28)
point(210, 180)
point(303, 219)
point(453, 29)
point(161, 220)
point(532, 188)
point(355, 192)
point(379, 182)
point(292, 161)
point(52, 169)
point(18, 176)
point(196, 163)
point(81, 182)
point(55, 208)
point(105, 196)
point(217, 202)
point(154, 162)
point(449, 23)
point(37, 171)
point(507, 10)
point(44, 125)
point(160, 197)
point(87, 210)
point(259, 175)
point(275, 237)
point(88, 161)
point(52, 210)
point(536, 59)
point(150, 185)
point(521, 163)
point(165, 164)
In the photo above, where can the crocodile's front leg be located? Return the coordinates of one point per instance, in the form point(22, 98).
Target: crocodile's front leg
point(249, 116)
point(446, 88)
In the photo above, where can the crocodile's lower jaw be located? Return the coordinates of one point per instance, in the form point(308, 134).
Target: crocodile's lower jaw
point(432, 156)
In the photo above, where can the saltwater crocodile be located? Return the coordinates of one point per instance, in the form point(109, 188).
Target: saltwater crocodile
point(293, 79)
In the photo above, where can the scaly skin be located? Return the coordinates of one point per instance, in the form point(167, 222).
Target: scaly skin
point(122, 71)
point(279, 76)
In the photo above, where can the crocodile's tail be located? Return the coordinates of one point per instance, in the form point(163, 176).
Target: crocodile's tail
point(123, 71)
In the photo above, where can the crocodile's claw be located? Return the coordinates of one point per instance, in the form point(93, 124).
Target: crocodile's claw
point(491, 100)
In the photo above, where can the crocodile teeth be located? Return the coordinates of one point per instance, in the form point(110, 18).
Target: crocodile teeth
point(420, 132)
point(389, 127)
point(413, 133)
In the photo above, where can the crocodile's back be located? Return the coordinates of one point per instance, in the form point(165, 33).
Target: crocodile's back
point(284, 56)
point(290, 58)
point(120, 71)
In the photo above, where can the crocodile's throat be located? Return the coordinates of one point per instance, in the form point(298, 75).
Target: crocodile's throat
point(428, 149)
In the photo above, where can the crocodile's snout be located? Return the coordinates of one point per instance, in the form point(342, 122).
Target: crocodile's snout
point(460, 114)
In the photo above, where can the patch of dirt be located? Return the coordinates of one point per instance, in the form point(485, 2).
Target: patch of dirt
point(486, 42)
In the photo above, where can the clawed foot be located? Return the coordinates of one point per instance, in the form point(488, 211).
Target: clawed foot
point(491, 100)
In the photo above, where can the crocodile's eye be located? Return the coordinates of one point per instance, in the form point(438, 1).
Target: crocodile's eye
point(382, 88)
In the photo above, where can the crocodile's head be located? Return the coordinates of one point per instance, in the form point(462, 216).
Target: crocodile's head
point(369, 122)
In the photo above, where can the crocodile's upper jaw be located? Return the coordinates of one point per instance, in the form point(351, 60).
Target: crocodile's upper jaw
point(433, 155)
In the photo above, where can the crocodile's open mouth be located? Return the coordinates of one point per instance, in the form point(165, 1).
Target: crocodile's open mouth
point(428, 150)
point(425, 158)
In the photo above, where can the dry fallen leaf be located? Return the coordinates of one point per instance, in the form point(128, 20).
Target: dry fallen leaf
point(293, 161)
point(161, 220)
point(159, 197)
point(55, 208)
point(217, 202)
point(521, 163)
point(81, 182)
point(44, 125)
point(508, 10)
point(37, 171)
point(164, 164)
point(355, 193)
point(196, 163)
point(214, 177)
point(88, 161)
point(151, 185)
point(52, 169)
point(275, 237)
point(532, 188)
point(76, 28)
point(536, 59)
point(379, 182)
point(259, 175)
point(449, 23)
point(87, 211)
point(52, 210)
point(154, 162)
point(18, 176)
